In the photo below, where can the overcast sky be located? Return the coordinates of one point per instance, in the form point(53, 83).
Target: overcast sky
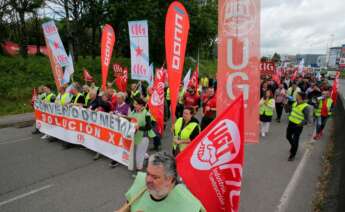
point(301, 26)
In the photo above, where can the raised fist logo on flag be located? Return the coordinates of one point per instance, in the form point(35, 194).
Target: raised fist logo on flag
point(215, 156)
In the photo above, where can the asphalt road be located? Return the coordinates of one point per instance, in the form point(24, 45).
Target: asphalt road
point(38, 175)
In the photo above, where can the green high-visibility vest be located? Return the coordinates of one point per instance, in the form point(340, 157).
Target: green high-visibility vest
point(297, 115)
point(184, 134)
point(64, 98)
point(329, 103)
point(48, 98)
point(168, 94)
point(135, 93)
point(179, 198)
point(267, 109)
point(87, 99)
point(76, 98)
point(180, 97)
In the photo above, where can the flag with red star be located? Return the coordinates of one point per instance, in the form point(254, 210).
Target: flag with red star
point(138, 36)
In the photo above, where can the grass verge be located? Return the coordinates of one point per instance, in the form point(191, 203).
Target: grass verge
point(320, 197)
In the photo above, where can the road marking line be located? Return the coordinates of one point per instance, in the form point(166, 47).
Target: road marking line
point(25, 195)
point(290, 188)
point(16, 141)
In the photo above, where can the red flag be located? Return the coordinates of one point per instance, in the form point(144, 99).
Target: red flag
point(294, 76)
point(108, 40)
point(194, 81)
point(156, 100)
point(239, 60)
point(214, 160)
point(32, 49)
point(10, 48)
point(117, 70)
point(43, 50)
point(87, 76)
point(34, 96)
point(335, 88)
point(176, 35)
point(121, 80)
point(267, 68)
point(276, 76)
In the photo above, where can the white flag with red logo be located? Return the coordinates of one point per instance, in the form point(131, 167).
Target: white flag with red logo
point(139, 43)
point(55, 44)
point(211, 166)
point(156, 100)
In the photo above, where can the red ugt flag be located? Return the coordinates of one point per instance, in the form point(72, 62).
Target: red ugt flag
point(156, 101)
point(121, 80)
point(216, 158)
point(335, 88)
point(194, 81)
point(87, 76)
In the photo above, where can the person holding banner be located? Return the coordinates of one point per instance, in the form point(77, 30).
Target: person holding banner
point(185, 130)
point(158, 189)
point(78, 98)
point(267, 105)
point(297, 119)
point(86, 94)
point(41, 93)
point(50, 96)
point(121, 107)
point(142, 119)
point(63, 98)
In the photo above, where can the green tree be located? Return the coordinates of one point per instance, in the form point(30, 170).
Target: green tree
point(22, 8)
point(276, 58)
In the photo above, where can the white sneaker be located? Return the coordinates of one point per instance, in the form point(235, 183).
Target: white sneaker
point(44, 136)
point(263, 134)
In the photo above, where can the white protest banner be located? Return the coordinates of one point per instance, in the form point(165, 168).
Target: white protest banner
point(138, 36)
point(107, 134)
point(54, 42)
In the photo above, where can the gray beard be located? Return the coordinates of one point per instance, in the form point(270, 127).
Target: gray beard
point(159, 194)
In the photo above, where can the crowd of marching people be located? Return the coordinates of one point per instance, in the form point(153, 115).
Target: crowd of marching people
point(305, 98)
point(132, 105)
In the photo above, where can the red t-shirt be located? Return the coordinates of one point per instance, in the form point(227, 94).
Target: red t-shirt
point(209, 103)
point(191, 100)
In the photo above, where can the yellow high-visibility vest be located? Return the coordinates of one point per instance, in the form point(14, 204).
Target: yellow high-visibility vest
point(329, 103)
point(297, 116)
point(267, 110)
point(184, 134)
